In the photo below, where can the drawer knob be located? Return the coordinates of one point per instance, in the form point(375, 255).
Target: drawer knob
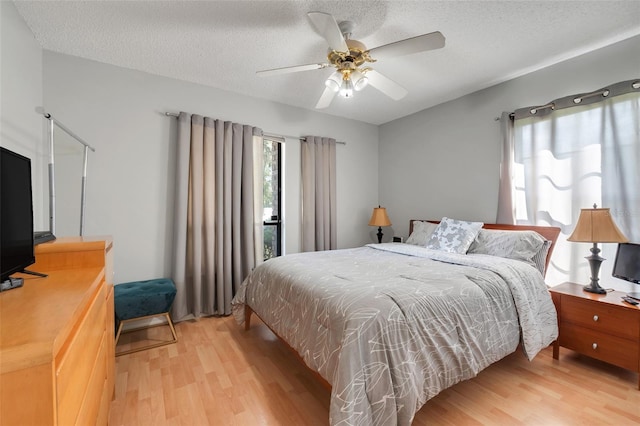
point(595, 318)
point(594, 346)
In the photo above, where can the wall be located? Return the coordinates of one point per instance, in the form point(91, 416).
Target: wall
point(21, 128)
point(445, 161)
point(130, 180)
point(441, 161)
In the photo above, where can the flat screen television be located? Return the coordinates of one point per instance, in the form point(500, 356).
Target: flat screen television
point(626, 265)
point(16, 214)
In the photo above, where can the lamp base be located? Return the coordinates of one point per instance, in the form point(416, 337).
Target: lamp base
point(595, 260)
point(597, 289)
point(379, 234)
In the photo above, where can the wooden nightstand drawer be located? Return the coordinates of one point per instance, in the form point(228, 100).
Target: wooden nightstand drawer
point(601, 317)
point(597, 325)
point(612, 349)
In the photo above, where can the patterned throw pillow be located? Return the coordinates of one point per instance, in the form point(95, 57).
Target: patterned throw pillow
point(454, 236)
point(421, 233)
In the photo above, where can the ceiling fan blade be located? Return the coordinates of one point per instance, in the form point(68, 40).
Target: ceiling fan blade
point(325, 98)
point(286, 70)
point(421, 43)
point(327, 26)
point(386, 85)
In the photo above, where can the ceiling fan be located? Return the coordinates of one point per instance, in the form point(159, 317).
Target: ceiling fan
point(349, 58)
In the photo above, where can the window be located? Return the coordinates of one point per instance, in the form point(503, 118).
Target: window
point(272, 199)
point(571, 159)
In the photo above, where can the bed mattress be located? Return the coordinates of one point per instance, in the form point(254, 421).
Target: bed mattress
point(391, 325)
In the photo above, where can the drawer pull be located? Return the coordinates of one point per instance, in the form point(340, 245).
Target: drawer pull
point(595, 318)
point(594, 346)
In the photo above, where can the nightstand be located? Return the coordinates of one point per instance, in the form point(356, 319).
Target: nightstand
point(601, 326)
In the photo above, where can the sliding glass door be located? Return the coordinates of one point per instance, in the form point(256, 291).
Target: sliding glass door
point(272, 219)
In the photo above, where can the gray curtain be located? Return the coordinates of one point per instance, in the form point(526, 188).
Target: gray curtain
point(218, 213)
point(506, 207)
point(318, 193)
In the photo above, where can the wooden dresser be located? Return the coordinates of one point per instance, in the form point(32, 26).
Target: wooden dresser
point(601, 326)
point(57, 337)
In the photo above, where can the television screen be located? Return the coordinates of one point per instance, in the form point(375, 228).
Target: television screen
point(627, 263)
point(16, 213)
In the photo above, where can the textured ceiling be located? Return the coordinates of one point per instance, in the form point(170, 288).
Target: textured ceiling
point(223, 43)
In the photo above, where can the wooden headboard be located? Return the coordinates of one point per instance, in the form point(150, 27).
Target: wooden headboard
point(550, 233)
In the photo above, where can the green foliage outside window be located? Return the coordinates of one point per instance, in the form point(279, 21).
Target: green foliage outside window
point(270, 198)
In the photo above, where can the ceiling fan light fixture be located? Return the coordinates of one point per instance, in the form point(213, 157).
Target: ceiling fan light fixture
point(334, 82)
point(349, 57)
point(346, 91)
point(360, 80)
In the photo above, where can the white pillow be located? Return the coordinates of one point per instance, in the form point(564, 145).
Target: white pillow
point(421, 233)
point(527, 246)
point(540, 258)
point(518, 245)
point(454, 236)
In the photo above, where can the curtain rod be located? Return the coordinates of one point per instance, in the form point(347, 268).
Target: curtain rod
point(175, 115)
point(619, 88)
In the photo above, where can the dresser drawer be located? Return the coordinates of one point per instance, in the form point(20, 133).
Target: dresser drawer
point(621, 352)
point(93, 397)
point(76, 365)
point(601, 317)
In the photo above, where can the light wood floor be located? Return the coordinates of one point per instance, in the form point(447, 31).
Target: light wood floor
point(218, 374)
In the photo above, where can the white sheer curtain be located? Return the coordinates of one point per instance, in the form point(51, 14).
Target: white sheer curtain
point(570, 154)
point(218, 213)
point(319, 230)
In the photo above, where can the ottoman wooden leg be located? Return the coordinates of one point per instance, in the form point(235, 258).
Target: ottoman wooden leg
point(153, 345)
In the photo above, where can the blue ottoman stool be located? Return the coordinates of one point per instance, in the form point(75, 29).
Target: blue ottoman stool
point(140, 300)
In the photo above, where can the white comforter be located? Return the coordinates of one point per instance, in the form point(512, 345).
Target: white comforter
point(391, 325)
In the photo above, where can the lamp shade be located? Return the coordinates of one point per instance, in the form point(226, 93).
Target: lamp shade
point(346, 90)
point(360, 81)
point(379, 217)
point(596, 226)
point(334, 81)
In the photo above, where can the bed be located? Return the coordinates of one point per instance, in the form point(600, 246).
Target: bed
point(388, 326)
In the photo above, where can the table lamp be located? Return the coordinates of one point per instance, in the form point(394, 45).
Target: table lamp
point(596, 226)
point(379, 218)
